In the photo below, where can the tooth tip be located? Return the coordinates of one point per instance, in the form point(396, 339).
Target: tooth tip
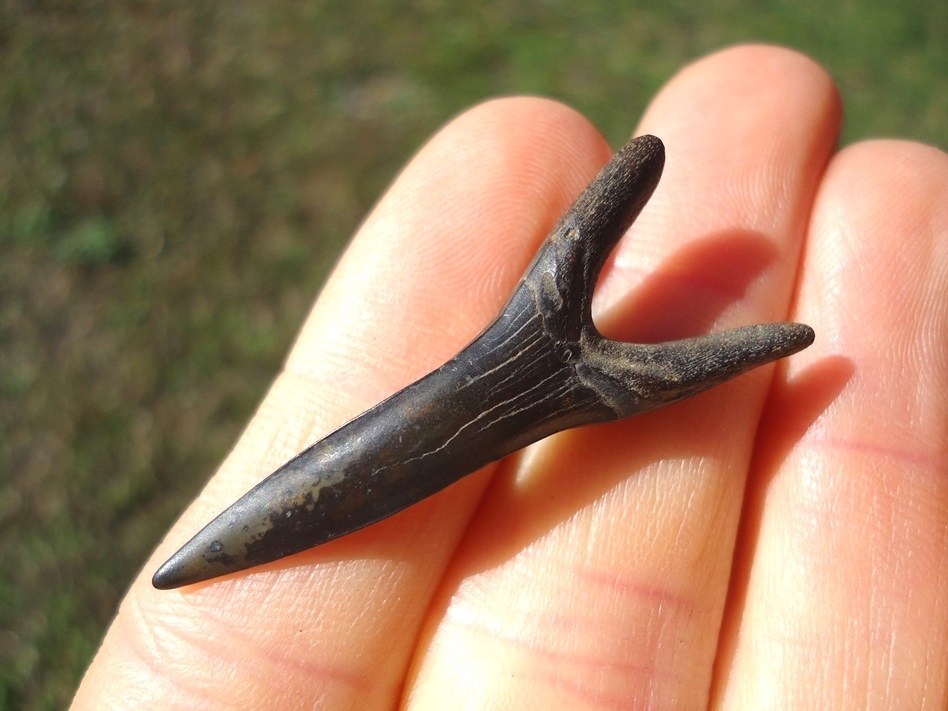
point(167, 577)
point(797, 336)
point(185, 568)
point(178, 571)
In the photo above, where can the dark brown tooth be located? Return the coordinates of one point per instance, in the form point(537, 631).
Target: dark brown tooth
point(539, 368)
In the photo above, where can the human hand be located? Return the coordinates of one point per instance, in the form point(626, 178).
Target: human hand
point(778, 541)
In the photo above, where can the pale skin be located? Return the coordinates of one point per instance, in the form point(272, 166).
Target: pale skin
point(781, 541)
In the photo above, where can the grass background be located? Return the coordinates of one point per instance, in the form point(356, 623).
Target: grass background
point(177, 178)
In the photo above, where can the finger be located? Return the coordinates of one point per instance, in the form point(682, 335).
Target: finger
point(844, 563)
point(429, 268)
point(595, 573)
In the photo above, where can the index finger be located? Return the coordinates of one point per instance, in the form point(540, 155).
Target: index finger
point(427, 271)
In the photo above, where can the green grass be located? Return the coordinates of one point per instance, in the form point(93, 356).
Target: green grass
point(176, 180)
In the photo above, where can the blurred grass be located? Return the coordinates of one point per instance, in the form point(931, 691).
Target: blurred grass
point(176, 180)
